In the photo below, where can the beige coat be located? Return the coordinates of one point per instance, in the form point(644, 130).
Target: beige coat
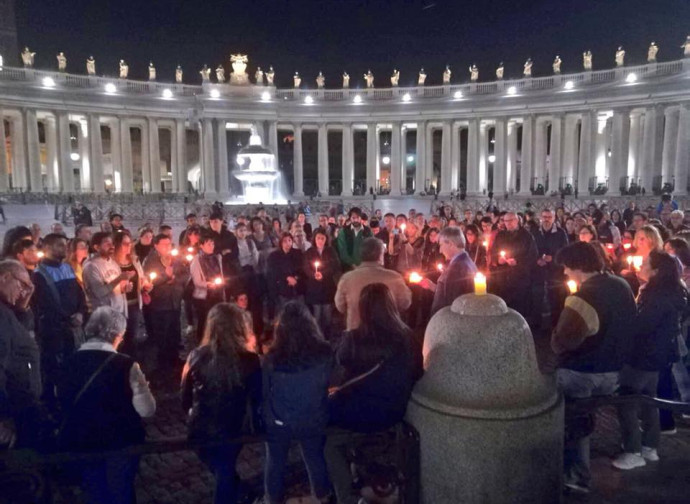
point(352, 283)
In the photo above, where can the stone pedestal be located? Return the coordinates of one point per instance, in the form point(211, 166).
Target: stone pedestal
point(490, 424)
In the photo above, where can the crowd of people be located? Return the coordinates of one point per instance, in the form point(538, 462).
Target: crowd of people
point(279, 325)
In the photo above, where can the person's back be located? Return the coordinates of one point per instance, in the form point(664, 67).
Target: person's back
point(217, 407)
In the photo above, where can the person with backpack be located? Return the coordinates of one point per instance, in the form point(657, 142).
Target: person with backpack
point(295, 378)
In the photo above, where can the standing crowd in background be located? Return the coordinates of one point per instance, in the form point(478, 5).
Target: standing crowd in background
point(289, 323)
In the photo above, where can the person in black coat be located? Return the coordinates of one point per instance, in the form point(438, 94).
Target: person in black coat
point(226, 245)
point(321, 272)
point(513, 256)
point(221, 391)
point(284, 272)
point(661, 302)
point(381, 362)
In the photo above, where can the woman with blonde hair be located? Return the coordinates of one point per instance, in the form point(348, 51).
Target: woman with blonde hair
point(647, 239)
point(221, 377)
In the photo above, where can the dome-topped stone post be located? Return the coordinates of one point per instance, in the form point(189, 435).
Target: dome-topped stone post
point(490, 424)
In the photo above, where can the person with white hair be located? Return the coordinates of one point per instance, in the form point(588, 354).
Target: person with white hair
point(676, 222)
point(104, 396)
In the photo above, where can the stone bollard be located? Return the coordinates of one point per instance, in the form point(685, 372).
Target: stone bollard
point(490, 424)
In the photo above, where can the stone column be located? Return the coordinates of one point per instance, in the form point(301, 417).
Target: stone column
point(540, 154)
point(209, 172)
point(588, 135)
point(222, 157)
point(420, 158)
point(180, 174)
point(52, 173)
point(127, 172)
point(116, 153)
point(64, 147)
point(145, 159)
point(483, 158)
point(682, 152)
point(96, 154)
point(527, 156)
point(501, 153)
point(348, 161)
point(19, 166)
point(670, 137)
point(652, 142)
point(446, 168)
point(323, 159)
point(4, 165)
point(633, 147)
point(273, 139)
point(33, 151)
point(297, 163)
point(372, 157)
point(455, 156)
point(429, 161)
point(473, 157)
point(619, 150)
point(511, 165)
point(569, 166)
point(397, 163)
point(84, 156)
point(154, 155)
point(259, 129)
point(555, 153)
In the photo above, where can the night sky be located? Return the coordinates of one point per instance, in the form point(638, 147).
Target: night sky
point(352, 35)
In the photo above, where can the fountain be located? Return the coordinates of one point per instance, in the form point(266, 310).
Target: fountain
point(261, 182)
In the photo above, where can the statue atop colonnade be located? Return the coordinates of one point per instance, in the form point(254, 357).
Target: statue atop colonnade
point(62, 62)
point(239, 75)
point(28, 58)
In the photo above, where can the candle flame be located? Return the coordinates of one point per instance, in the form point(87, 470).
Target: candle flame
point(627, 246)
point(40, 254)
point(218, 281)
point(174, 252)
point(439, 266)
point(153, 275)
point(572, 286)
point(415, 277)
point(189, 257)
point(485, 243)
point(503, 254)
point(637, 262)
point(190, 249)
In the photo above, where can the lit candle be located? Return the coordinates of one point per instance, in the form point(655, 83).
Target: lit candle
point(174, 252)
point(40, 254)
point(153, 275)
point(572, 286)
point(609, 246)
point(637, 262)
point(480, 284)
point(316, 266)
point(439, 266)
point(626, 246)
point(630, 260)
point(402, 227)
point(189, 257)
point(502, 253)
point(485, 243)
point(415, 277)
point(218, 280)
point(190, 249)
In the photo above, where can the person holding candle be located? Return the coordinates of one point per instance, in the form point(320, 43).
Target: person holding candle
point(171, 275)
point(475, 248)
point(391, 236)
point(206, 268)
point(548, 276)
point(104, 282)
point(661, 302)
point(458, 277)
point(591, 341)
point(513, 257)
point(321, 272)
point(284, 274)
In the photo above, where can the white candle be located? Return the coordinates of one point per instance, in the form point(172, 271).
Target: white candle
point(316, 266)
point(480, 284)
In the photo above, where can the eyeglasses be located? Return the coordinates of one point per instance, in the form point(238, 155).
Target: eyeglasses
point(23, 284)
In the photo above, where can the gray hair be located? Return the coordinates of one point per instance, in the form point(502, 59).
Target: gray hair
point(372, 249)
point(453, 235)
point(678, 212)
point(105, 324)
point(11, 266)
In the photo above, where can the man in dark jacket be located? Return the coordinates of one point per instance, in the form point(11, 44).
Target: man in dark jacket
point(60, 307)
point(391, 238)
point(513, 256)
point(350, 240)
point(20, 370)
point(548, 276)
point(169, 277)
point(225, 244)
point(458, 277)
point(591, 340)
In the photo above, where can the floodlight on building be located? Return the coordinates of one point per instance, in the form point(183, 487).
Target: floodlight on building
point(410, 158)
point(512, 90)
point(492, 158)
point(308, 100)
point(386, 160)
point(631, 78)
point(406, 97)
point(167, 94)
point(75, 156)
point(569, 85)
point(110, 88)
point(265, 96)
point(457, 95)
point(357, 99)
point(48, 82)
point(215, 93)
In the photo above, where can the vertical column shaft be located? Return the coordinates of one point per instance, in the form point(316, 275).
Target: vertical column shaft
point(473, 157)
point(209, 174)
point(4, 165)
point(619, 150)
point(588, 135)
point(348, 161)
point(555, 154)
point(372, 156)
point(297, 162)
point(511, 165)
point(181, 155)
point(323, 159)
point(682, 152)
point(96, 154)
point(52, 168)
point(420, 157)
point(223, 172)
point(396, 159)
point(501, 153)
point(670, 139)
point(33, 151)
point(126, 156)
point(64, 147)
point(446, 166)
point(526, 155)
point(154, 155)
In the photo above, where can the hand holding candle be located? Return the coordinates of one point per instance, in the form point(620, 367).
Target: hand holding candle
point(480, 284)
point(637, 262)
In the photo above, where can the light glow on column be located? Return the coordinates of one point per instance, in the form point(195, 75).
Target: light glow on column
point(410, 158)
point(492, 158)
point(75, 156)
point(386, 160)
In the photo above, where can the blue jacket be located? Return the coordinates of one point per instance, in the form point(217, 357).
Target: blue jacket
point(457, 279)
